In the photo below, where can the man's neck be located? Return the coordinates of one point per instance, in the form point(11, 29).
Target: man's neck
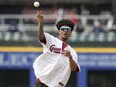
point(64, 40)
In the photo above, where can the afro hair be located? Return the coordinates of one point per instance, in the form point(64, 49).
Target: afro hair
point(65, 22)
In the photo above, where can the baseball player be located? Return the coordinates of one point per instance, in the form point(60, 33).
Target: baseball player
point(53, 67)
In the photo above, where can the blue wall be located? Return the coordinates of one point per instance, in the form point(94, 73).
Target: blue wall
point(87, 61)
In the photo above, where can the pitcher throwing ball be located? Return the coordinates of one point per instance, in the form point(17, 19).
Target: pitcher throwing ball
point(53, 67)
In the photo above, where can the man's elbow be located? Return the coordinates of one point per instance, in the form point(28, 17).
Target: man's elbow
point(77, 69)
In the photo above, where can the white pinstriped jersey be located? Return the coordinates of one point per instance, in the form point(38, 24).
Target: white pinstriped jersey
point(52, 67)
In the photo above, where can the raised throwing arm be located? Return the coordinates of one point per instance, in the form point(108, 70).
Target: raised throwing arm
point(40, 33)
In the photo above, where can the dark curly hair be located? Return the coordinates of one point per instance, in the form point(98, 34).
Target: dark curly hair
point(65, 22)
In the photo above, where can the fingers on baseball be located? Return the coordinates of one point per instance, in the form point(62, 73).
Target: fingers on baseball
point(39, 14)
point(65, 52)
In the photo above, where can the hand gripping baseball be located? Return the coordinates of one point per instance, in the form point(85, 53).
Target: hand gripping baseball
point(67, 53)
point(40, 16)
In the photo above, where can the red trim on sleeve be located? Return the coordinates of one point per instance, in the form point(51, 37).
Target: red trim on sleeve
point(38, 80)
point(77, 69)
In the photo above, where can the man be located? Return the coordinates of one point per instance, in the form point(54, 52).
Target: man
point(53, 67)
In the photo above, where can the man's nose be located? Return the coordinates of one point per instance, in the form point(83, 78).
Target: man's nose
point(65, 30)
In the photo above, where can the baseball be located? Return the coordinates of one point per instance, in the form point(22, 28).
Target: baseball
point(36, 4)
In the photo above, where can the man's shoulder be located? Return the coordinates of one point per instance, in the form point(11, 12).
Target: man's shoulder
point(48, 35)
point(51, 37)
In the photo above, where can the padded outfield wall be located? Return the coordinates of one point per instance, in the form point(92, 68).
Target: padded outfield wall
point(93, 61)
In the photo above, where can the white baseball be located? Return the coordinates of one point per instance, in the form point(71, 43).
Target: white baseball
point(36, 4)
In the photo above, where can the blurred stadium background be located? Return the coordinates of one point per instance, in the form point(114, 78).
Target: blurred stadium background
point(94, 39)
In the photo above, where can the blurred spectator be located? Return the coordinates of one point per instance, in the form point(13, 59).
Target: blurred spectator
point(84, 13)
point(26, 11)
point(74, 19)
point(79, 28)
point(110, 25)
point(60, 14)
point(13, 26)
point(97, 27)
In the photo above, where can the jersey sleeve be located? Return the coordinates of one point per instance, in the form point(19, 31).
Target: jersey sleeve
point(75, 58)
point(49, 38)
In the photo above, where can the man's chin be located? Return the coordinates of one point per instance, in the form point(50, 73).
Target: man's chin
point(65, 38)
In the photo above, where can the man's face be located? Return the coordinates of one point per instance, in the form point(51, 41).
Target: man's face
point(65, 32)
